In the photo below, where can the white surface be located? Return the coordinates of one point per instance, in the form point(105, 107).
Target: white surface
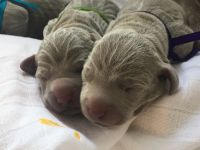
point(173, 123)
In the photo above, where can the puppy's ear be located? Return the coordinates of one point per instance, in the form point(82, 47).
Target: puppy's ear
point(167, 72)
point(29, 65)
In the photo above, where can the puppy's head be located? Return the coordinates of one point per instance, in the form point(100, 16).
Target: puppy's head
point(123, 73)
point(58, 65)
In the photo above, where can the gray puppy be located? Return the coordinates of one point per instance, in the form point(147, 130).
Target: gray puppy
point(129, 67)
point(23, 20)
point(67, 43)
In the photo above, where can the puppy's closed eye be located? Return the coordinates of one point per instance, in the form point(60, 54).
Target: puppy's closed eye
point(43, 77)
point(139, 110)
point(125, 85)
point(87, 75)
point(78, 67)
point(125, 88)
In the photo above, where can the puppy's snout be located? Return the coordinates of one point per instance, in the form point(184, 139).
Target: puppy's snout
point(102, 112)
point(63, 93)
point(96, 110)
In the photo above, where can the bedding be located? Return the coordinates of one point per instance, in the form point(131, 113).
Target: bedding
point(172, 123)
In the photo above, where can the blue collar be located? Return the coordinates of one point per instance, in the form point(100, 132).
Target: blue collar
point(179, 41)
point(26, 5)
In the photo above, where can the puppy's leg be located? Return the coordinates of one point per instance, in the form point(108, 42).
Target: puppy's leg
point(178, 29)
point(192, 13)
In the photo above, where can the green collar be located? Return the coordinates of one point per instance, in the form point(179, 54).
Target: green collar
point(85, 8)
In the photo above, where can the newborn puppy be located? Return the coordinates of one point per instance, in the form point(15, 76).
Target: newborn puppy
point(129, 67)
point(23, 20)
point(67, 43)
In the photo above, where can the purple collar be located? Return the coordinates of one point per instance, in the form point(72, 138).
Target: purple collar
point(178, 41)
point(182, 40)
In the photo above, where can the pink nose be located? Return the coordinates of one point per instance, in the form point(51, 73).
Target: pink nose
point(63, 91)
point(102, 112)
point(97, 109)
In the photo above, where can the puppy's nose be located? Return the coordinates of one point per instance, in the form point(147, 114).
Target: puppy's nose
point(102, 112)
point(63, 91)
point(97, 109)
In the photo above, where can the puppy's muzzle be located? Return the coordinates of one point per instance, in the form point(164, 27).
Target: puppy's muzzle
point(101, 112)
point(64, 94)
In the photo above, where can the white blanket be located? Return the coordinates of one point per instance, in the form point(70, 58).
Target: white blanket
point(172, 123)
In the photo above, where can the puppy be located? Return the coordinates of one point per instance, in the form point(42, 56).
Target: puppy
point(67, 43)
point(129, 67)
point(23, 20)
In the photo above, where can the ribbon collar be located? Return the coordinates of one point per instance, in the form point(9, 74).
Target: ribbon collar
point(179, 41)
point(93, 9)
point(22, 3)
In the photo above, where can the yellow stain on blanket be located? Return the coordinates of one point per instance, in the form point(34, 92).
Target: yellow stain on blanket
point(49, 122)
point(77, 135)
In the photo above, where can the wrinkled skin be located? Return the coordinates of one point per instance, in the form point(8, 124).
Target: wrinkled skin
point(67, 43)
point(129, 67)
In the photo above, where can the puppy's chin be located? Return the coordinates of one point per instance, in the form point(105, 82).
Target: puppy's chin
point(101, 125)
point(54, 107)
point(110, 126)
point(62, 111)
point(104, 125)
